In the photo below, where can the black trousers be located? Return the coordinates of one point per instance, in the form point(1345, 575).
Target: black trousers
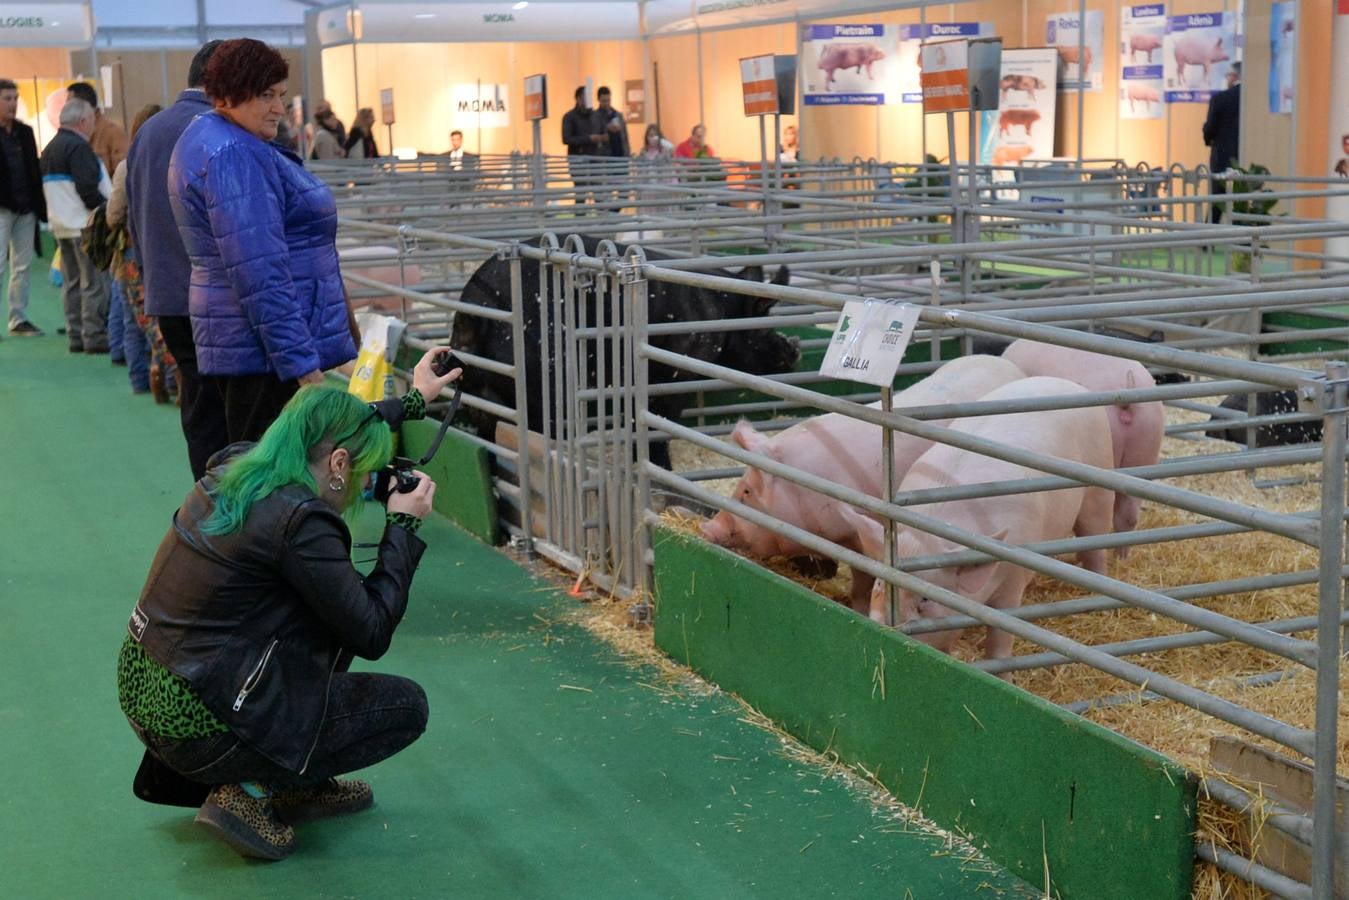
point(203, 402)
point(252, 402)
point(370, 718)
point(1216, 188)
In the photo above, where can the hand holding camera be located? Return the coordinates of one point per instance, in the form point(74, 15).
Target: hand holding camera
point(416, 501)
point(437, 369)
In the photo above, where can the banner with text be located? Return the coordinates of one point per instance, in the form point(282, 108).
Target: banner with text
point(1282, 62)
point(1022, 126)
point(1142, 33)
point(1081, 55)
point(911, 38)
point(759, 87)
point(479, 106)
point(946, 76)
point(1337, 207)
point(850, 65)
point(1197, 54)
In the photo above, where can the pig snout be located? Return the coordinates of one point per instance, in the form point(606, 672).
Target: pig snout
point(718, 529)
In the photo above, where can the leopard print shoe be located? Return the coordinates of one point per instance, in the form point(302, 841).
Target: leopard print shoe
point(333, 797)
point(246, 823)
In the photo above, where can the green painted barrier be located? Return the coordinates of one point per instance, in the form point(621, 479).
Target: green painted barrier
point(462, 475)
point(1035, 786)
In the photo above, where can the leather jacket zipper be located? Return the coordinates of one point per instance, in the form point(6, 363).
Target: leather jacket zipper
point(253, 677)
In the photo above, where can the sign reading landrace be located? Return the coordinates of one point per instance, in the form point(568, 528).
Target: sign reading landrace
point(1197, 54)
point(1142, 34)
point(850, 65)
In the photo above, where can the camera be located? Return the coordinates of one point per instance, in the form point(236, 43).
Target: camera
point(397, 476)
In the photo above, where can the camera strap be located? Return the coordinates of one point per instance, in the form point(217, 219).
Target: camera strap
point(444, 425)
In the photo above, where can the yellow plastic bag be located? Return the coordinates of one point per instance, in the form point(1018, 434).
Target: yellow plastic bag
point(372, 379)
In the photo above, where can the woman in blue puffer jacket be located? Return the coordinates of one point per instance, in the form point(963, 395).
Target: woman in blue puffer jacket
point(268, 309)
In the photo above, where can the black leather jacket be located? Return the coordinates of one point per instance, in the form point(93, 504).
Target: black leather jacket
point(257, 620)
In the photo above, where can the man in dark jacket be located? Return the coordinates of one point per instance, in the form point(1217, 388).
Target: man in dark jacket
point(75, 183)
point(579, 135)
point(165, 267)
point(22, 205)
point(1222, 131)
point(609, 125)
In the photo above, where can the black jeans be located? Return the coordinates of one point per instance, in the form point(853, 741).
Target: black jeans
point(370, 718)
point(252, 403)
point(203, 402)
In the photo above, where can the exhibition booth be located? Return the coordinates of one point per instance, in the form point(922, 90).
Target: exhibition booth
point(1149, 71)
point(36, 42)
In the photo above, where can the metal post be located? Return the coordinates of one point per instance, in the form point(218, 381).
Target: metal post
point(635, 277)
point(1328, 630)
point(521, 406)
point(888, 466)
point(763, 176)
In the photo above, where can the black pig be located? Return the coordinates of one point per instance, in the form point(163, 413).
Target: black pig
point(1268, 403)
point(758, 351)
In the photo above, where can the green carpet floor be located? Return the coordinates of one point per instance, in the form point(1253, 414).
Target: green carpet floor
point(550, 767)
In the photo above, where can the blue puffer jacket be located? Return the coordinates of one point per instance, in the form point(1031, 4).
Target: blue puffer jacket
point(266, 294)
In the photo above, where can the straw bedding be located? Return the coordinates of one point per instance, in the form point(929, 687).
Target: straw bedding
point(1170, 728)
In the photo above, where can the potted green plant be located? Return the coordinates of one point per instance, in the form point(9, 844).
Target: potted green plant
point(1251, 206)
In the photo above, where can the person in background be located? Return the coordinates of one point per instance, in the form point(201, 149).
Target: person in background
point(234, 671)
point(164, 266)
point(360, 143)
point(109, 139)
point(1222, 133)
point(329, 133)
point(460, 159)
point(695, 146)
point(788, 151)
point(655, 146)
point(269, 312)
point(576, 134)
point(75, 183)
point(22, 206)
point(609, 128)
point(148, 361)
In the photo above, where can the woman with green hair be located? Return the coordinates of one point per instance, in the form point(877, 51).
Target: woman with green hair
point(234, 673)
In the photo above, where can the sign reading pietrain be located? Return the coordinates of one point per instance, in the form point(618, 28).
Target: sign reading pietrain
point(870, 341)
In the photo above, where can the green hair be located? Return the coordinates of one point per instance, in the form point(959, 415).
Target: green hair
point(308, 429)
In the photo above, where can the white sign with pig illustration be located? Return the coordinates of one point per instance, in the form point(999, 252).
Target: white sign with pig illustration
point(1081, 50)
point(1022, 126)
point(1197, 53)
point(911, 39)
point(850, 65)
point(1142, 36)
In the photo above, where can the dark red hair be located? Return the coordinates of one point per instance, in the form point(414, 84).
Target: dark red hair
point(242, 69)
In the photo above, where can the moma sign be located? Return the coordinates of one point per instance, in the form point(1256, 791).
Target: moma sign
point(480, 106)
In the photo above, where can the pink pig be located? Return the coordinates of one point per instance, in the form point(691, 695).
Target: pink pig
point(1142, 93)
point(847, 452)
point(1080, 435)
point(1135, 428)
point(848, 56)
point(1196, 50)
point(1145, 43)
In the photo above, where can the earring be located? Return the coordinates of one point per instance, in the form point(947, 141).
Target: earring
point(337, 484)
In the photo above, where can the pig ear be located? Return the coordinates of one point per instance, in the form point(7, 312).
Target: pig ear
point(783, 275)
point(749, 439)
point(972, 580)
point(750, 273)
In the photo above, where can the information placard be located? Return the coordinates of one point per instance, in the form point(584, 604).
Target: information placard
point(946, 76)
point(870, 340)
point(386, 116)
point(536, 97)
point(759, 85)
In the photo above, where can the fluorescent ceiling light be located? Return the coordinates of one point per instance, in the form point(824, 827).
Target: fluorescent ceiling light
point(424, 16)
point(521, 5)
